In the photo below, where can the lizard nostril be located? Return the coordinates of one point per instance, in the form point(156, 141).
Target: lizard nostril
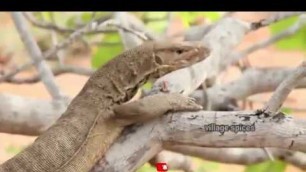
point(158, 60)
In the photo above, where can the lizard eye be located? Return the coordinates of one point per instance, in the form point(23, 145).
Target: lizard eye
point(179, 51)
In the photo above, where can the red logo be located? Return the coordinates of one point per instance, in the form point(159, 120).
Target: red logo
point(161, 167)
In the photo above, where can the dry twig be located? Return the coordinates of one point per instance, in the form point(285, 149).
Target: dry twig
point(273, 19)
point(36, 55)
point(62, 69)
point(283, 90)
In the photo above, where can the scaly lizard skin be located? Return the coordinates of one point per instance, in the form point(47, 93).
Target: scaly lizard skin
point(90, 125)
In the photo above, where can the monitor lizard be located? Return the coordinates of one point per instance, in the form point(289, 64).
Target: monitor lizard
point(98, 114)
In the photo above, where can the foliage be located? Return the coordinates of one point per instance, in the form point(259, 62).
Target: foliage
point(11, 149)
point(157, 26)
point(268, 166)
point(205, 165)
point(56, 17)
point(146, 168)
point(84, 18)
point(295, 42)
point(286, 110)
point(189, 17)
point(103, 54)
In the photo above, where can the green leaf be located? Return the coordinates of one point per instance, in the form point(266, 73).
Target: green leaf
point(155, 14)
point(205, 165)
point(59, 17)
point(189, 17)
point(71, 22)
point(148, 85)
point(295, 42)
point(212, 16)
point(268, 166)
point(76, 18)
point(13, 149)
point(46, 16)
point(105, 53)
point(146, 168)
point(157, 26)
point(286, 110)
point(87, 16)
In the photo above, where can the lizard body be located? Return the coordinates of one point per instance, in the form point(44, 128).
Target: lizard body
point(88, 127)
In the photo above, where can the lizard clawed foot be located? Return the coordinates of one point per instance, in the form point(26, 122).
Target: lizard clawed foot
point(184, 103)
point(153, 106)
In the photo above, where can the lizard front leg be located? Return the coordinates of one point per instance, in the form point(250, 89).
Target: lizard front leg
point(153, 106)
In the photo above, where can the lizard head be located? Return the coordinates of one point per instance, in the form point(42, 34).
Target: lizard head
point(173, 56)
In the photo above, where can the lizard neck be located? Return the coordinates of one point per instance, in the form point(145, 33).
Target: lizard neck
point(119, 79)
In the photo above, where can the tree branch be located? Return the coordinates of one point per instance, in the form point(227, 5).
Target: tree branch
point(264, 43)
point(283, 90)
point(75, 35)
point(28, 116)
point(252, 81)
point(56, 28)
point(273, 19)
point(242, 156)
point(36, 55)
point(191, 129)
point(62, 69)
point(132, 38)
point(226, 35)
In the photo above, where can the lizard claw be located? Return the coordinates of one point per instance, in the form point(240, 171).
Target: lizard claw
point(184, 103)
point(191, 100)
point(193, 105)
